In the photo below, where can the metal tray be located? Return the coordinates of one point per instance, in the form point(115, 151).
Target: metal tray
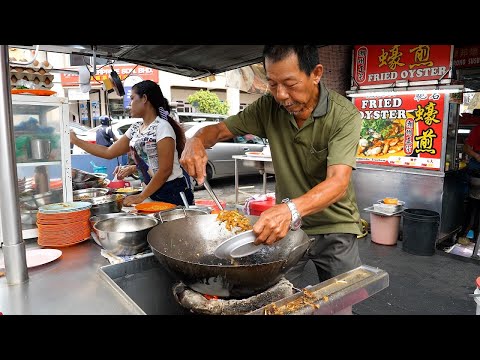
point(372, 210)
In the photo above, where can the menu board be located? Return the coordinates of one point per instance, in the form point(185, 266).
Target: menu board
point(401, 130)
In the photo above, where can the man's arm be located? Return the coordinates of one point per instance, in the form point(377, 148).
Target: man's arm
point(194, 157)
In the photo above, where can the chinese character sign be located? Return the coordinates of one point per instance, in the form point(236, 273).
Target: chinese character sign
point(401, 130)
point(466, 56)
point(387, 64)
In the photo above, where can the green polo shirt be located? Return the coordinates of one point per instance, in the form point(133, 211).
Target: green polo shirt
point(301, 156)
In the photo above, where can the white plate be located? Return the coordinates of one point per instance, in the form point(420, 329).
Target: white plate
point(37, 257)
point(238, 246)
point(65, 207)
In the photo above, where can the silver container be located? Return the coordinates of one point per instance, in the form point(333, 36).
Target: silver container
point(44, 198)
point(125, 235)
point(28, 217)
point(106, 204)
point(474, 191)
point(87, 194)
point(94, 183)
point(179, 213)
point(27, 201)
point(40, 149)
point(94, 219)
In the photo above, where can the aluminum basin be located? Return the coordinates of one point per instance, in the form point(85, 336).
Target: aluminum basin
point(125, 235)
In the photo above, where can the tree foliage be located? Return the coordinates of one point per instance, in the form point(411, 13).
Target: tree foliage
point(208, 102)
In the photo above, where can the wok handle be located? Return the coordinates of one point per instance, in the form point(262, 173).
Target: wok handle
point(159, 217)
point(292, 255)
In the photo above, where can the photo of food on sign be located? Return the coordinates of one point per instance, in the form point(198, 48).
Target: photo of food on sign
point(382, 137)
point(401, 130)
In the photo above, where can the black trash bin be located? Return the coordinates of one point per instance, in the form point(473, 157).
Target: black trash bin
point(420, 231)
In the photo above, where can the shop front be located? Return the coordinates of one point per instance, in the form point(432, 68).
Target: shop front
point(409, 120)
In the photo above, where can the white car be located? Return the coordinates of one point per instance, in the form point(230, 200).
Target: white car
point(220, 161)
point(119, 127)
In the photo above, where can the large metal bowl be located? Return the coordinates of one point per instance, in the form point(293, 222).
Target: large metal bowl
point(94, 219)
point(125, 235)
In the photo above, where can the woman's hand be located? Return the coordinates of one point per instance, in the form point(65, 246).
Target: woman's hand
point(73, 137)
point(133, 200)
point(123, 171)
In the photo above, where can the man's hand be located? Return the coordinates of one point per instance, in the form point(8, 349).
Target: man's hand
point(273, 224)
point(194, 159)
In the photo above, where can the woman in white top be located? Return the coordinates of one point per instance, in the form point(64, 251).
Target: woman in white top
point(155, 145)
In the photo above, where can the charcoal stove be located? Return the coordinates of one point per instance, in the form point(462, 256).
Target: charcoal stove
point(212, 305)
point(148, 288)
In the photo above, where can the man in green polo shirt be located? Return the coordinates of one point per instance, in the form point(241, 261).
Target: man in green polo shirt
point(313, 134)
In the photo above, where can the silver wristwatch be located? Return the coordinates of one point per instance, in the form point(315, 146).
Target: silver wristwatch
point(296, 222)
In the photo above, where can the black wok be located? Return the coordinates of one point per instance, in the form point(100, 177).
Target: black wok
point(185, 247)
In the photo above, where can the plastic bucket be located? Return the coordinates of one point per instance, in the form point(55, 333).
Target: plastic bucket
point(420, 231)
point(384, 229)
point(257, 207)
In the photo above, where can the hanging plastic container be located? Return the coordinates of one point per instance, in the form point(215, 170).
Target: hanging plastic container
point(98, 169)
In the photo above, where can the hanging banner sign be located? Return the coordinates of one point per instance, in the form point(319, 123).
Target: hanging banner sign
point(401, 130)
point(123, 70)
point(387, 64)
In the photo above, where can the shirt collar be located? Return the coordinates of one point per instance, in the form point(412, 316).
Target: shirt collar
point(323, 104)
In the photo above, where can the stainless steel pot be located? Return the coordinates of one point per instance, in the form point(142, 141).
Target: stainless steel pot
point(94, 219)
point(126, 235)
point(185, 247)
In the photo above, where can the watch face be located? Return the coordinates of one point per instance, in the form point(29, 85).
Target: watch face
point(297, 224)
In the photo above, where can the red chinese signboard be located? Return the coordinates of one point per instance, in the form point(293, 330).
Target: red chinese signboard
point(123, 70)
point(466, 57)
point(401, 130)
point(387, 64)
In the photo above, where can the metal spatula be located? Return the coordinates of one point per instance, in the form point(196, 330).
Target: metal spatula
point(212, 194)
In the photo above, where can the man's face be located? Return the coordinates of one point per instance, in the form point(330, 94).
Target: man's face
point(291, 87)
